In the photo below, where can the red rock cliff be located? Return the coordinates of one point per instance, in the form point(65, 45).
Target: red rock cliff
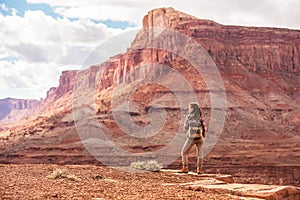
point(14, 109)
point(258, 49)
point(236, 50)
point(260, 66)
point(66, 85)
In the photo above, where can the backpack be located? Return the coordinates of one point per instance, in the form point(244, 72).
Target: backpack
point(197, 128)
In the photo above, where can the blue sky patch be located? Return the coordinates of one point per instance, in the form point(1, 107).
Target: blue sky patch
point(10, 58)
point(21, 6)
point(115, 24)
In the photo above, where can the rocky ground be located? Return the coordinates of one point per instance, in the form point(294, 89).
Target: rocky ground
point(96, 182)
point(100, 182)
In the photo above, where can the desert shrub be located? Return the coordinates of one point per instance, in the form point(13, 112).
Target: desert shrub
point(151, 165)
point(61, 173)
point(138, 165)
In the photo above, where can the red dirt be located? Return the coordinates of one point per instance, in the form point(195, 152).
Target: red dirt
point(95, 182)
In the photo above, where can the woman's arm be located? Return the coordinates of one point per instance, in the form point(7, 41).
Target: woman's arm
point(204, 128)
point(186, 122)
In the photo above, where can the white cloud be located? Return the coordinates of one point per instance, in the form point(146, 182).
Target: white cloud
point(117, 10)
point(37, 28)
point(14, 12)
point(3, 7)
point(27, 80)
point(35, 48)
point(276, 13)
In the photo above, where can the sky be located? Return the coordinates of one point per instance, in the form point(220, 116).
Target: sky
point(41, 38)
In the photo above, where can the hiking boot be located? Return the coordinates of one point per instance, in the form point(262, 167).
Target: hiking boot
point(184, 170)
point(199, 171)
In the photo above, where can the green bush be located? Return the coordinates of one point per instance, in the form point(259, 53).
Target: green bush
point(151, 165)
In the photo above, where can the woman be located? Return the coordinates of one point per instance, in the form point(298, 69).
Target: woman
point(195, 137)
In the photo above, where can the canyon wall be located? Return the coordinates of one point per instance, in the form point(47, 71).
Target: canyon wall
point(260, 68)
point(13, 109)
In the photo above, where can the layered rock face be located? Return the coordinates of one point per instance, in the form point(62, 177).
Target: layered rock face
point(241, 53)
point(66, 85)
point(14, 109)
point(260, 68)
point(258, 49)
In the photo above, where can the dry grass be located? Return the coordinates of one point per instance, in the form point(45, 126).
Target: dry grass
point(62, 174)
point(151, 165)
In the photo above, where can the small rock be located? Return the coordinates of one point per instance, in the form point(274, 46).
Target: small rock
point(225, 178)
point(54, 195)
